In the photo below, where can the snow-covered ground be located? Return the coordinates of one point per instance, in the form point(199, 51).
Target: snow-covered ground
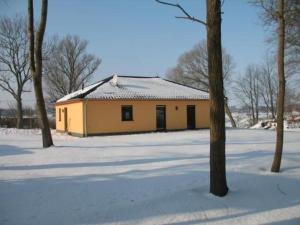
point(156, 178)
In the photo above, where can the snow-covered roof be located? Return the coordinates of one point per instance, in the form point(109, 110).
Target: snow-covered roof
point(128, 87)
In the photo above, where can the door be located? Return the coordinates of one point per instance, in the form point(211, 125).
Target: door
point(191, 118)
point(66, 119)
point(160, 117)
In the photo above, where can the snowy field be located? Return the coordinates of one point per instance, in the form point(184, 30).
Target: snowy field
point(156, 178)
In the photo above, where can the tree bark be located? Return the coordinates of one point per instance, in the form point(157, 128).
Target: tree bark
point(228, 112)
point(218, 184)
point(41, 111)
point(19, 112)
point(36, 65)
point(281, 88)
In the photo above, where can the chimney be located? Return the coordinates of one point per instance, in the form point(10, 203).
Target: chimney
point(114, 80)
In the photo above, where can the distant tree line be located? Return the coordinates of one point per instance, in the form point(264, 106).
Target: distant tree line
point(257, 90)
point(8, 117)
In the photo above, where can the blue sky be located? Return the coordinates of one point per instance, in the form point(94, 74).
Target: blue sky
point(142, 37)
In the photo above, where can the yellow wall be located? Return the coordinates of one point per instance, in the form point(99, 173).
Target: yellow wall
point(202, 114)
point(74, 117)
point(105, 116)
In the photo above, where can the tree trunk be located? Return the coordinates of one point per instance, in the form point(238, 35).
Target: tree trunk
point(41, 111)
point(281, 88)
point(36, 65)
point(218, 184)
point(228, 112)
point(19, 112)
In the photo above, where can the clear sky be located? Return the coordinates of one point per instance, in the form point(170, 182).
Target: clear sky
point(142, 37)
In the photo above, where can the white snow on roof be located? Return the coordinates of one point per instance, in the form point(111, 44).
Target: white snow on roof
point(79, 92)
point(122, 87)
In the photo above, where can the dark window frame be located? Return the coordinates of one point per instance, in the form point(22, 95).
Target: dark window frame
point(59, 114)
point(126, 109)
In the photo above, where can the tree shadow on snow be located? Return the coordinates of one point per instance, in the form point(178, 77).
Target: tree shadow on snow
point(135, 145)
point(102, 164)
point(231, 158)
point(172, 194)
point(292, 221)
point(191, 143)
point(6, 150)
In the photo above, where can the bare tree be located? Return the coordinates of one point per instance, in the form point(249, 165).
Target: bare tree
point(278, 13)
point(192, 70)
point(218, 183)
point(68, 66)
point(36, 67)
point(247, 89)
point(268, 86)
point(281, 88)
point(14, 68)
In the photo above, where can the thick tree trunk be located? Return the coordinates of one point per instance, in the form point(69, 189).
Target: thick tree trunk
point(281, 88)
point(218, 184)
point(36, 65)
point(41, 112)
point(19, 113)
point(228, 112)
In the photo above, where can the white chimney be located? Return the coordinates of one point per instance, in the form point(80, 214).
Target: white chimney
point(114, 80)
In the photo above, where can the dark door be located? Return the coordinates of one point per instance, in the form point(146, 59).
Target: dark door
point(160, 117)
point(66, 119)
point(191, 119)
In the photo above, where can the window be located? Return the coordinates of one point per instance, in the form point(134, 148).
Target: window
point(59, 115)
point(127, 113)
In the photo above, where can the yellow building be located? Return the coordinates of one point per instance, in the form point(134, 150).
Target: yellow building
point(126, 104)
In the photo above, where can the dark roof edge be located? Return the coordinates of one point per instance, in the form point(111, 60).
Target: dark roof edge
point(185, 85)
point(137, 76)
point(94, 88)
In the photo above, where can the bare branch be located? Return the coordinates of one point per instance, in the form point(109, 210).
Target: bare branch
point(187, 17)
point(6, 86)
